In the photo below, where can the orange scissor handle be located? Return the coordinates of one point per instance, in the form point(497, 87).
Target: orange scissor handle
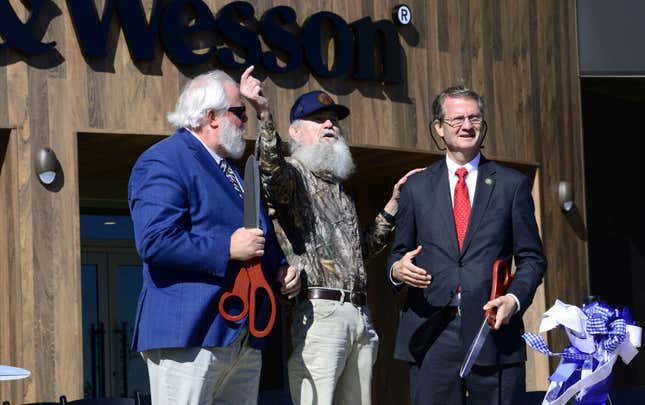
point(249, 280)
point(239, 291)
point(502, 278)
point(258, 282)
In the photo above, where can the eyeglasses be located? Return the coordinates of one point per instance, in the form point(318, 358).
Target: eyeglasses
point(239, 112)
point(458, 121)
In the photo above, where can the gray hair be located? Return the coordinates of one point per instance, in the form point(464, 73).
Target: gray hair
point(459, 91)
point(203, 93)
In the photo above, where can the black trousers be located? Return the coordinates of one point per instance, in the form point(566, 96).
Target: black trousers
point(436, 379)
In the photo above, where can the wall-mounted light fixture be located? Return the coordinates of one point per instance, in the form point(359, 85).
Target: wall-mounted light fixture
point(46, 165)
point(565, 195)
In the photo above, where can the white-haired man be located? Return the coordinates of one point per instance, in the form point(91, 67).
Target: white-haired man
point(334, 342)
point(186, 205)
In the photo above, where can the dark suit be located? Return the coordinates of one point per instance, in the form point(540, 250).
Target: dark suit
point(501, 225)
point(184, 211)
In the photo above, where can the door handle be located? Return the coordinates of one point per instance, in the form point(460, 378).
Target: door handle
point(123, 336)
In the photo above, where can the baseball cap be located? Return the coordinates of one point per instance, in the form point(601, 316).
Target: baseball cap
point(314, 101)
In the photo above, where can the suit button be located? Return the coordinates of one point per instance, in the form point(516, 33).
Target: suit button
point(461, 264)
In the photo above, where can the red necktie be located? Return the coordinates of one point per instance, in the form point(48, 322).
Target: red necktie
point(462, 206)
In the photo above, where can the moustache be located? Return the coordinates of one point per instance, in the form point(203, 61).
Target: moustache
point(331, 132)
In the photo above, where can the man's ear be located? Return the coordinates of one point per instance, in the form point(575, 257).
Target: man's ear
point(293, 132)
point(438, 127)
point(212, 119)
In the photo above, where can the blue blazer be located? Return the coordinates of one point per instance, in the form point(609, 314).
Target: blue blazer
point(184, 211)
point(501, 225)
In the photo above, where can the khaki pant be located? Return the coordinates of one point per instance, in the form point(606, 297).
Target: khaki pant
point(205, 375)
point(334, 348)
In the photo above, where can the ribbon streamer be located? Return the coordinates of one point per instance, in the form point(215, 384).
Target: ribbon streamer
point(598, 335)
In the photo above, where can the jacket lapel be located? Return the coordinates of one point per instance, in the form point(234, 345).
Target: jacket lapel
point(484, 190)
point(443, 202)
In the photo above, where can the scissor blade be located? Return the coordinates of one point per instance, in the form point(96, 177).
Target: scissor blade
point(475, 348)
point(251, 194)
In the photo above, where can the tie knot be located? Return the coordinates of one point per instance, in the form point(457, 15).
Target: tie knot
point(461, 173)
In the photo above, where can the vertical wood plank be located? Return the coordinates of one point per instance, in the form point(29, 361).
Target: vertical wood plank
point(10, 277)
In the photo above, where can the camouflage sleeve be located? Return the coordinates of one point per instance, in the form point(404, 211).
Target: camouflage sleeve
point(278, 177)
point(376, 236)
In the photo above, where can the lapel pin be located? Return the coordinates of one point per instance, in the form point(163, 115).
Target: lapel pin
point(488, 181)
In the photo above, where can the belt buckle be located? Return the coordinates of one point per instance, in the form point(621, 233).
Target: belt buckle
point(342, 296)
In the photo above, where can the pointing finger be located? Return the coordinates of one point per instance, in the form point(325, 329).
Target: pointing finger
point(247, 72)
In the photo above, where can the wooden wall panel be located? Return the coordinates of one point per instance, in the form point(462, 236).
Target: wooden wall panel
point(4, 96)
point(521, 55)
point(11, 352)
point(560, 150)
point(537, 365)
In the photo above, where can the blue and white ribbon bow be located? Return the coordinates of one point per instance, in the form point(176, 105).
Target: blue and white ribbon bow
point(597, 334)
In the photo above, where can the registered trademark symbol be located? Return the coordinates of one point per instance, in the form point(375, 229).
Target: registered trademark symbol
point(402, 15)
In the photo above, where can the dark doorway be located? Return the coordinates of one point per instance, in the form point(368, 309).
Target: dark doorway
point(613, 142)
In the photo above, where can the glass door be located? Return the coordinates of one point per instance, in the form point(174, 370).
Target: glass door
point(111, 281)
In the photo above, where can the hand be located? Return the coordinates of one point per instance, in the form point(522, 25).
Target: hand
point(246, 244)
point(290, 280)
point(396, 192)
point(404, 270)
point(392, 206)
point(506, 307)
point(251, 90)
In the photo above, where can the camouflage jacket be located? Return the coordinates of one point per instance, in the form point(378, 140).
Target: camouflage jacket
point(315, 220)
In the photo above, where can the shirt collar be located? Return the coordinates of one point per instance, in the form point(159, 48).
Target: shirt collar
point(471, 166)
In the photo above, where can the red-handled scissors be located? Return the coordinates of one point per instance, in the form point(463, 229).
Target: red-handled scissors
point(502, 278)
point(250, 280)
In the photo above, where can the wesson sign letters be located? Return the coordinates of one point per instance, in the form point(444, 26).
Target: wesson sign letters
point(355, 44)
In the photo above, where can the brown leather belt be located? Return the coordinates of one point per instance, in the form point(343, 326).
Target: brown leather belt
point(355, 297)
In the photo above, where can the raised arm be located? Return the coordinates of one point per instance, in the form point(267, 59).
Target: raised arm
point(279, 178)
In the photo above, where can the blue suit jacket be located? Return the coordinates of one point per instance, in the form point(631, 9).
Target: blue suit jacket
point(501, 225)
point(184, 211)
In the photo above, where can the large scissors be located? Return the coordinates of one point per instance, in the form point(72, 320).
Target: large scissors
point(250, 279)
point(502, 278)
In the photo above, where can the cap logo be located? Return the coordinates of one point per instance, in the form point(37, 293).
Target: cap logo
point(323, 98)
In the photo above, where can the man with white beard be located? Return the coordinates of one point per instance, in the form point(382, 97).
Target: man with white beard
point(334, 342)
point(185, 196)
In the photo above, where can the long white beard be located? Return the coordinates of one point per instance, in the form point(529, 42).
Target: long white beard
point(323, 157)
point(231, 139)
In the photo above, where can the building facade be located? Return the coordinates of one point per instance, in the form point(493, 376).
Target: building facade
point(93, 82)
